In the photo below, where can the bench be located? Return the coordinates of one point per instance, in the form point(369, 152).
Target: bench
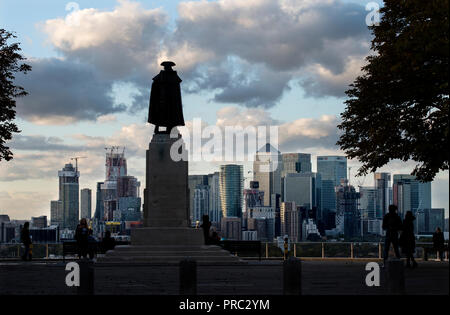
point(242, 247)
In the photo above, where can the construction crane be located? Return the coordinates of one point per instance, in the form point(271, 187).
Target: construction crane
point(76, 161)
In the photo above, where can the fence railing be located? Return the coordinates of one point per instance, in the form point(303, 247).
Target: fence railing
point(352, 250)
point(270, 250)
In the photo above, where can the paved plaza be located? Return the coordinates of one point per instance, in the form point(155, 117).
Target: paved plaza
point(329, 277)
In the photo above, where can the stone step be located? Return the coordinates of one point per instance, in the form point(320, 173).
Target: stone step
point(167, 259)
point(168, 253)
point(125, 248)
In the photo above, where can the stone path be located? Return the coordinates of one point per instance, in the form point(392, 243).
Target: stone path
point(253, 278)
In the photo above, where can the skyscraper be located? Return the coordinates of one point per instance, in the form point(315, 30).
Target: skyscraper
point(231, 181)
point(215, 212)
point(267, 168)
point(86, 203)
point(69, 195)
point(201, 202)
point(409, 194)
point(193, 182)
point(253, 197)
point(120, 192)
point(231, 228)
point(427, 220)
point(367, 202)
point(331, 169)
point(56, 213)
point(302, 188)
point(295, 163)
point(383, 187)
point(99, 213)
point(347, 214)
point(290, 221)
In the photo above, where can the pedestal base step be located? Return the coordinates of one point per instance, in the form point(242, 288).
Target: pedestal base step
point(167, 236)
point(172, 254)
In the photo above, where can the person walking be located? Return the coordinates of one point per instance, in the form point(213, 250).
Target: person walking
point(392, 224)
point(408, 239)
point(26, 240)
point(439, 244)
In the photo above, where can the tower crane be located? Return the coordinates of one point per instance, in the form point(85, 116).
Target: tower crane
point(76, 161)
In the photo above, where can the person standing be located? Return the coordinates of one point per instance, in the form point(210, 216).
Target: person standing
point(392, 224)
point(82, 238)
point(439, 243)
point(108, 243)
point(206, 225)
point(26, 240)
point(408, 239)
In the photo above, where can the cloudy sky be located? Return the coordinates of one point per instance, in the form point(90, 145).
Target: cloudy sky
point(284, 63)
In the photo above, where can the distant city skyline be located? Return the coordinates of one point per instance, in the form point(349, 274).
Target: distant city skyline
point(88, 90)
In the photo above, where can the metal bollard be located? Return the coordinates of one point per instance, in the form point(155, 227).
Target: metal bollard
point(188, 277)
point(292, 274)
point(395, 277)
point(86, 278)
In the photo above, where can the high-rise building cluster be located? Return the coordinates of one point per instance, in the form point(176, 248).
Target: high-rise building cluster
point(286, 198)
point(117, 200)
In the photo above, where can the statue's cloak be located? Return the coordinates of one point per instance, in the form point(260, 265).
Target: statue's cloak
point(165, 107)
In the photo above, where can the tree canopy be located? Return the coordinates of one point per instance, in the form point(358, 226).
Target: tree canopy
point(398, 107)
point(10, 64)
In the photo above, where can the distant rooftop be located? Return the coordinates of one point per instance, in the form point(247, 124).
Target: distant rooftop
point(268, 148)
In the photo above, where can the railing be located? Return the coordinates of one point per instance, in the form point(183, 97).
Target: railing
point(352, 250)
point(270, 250)
point(39, 250)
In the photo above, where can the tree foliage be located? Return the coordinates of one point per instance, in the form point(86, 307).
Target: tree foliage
point(10, 63)
point(398, 107)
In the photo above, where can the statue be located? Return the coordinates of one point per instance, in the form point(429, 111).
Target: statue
point(165, 109)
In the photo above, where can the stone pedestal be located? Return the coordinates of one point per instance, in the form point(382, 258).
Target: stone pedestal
point(167, 235)
point(166, 202)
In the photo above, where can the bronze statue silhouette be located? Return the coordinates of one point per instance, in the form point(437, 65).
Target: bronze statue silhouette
point(165, 108)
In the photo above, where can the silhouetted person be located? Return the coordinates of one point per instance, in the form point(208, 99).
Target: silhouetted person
point(439, 243)
point(215, 238)
point(108, 243)
point(92, 243)
point(206, 225)
point(392, 224)
point(26, 240)
point(408, 239)
point(82, 238)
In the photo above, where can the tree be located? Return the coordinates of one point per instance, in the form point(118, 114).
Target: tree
point(398, 107)
point(10, 63)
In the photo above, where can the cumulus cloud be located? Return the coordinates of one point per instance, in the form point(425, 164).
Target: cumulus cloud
point(41, 143)
point(299, 135)
point(245, 52)
point(62, 92)
point(304, 134)
point(272, 32)
point(122, 44)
